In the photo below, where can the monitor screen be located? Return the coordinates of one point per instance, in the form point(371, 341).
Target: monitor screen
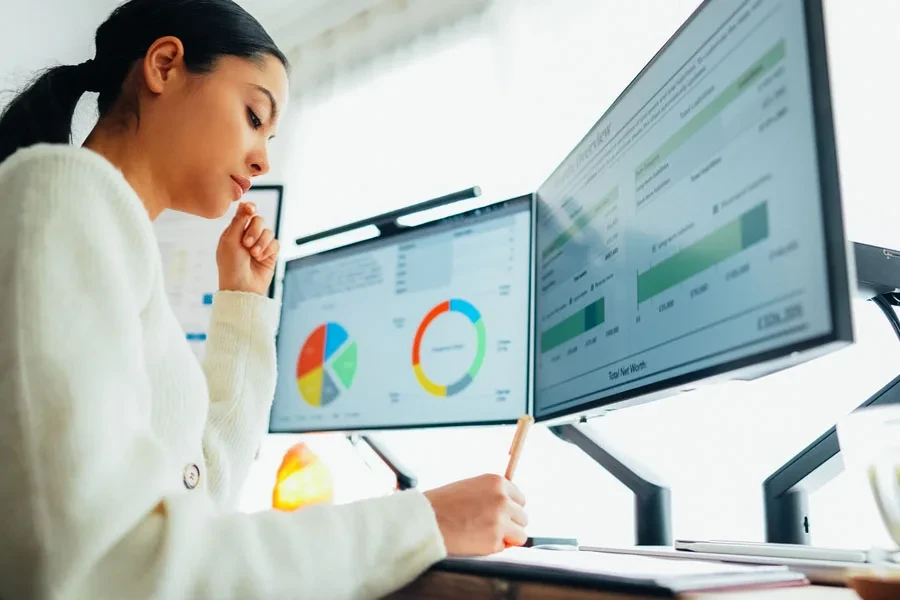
point(696, 230)
point(188, 244)
point(425, 327)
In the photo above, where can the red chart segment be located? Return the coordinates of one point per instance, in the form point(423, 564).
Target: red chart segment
point(312, 355)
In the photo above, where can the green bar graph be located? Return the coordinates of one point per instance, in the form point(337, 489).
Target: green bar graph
point(749, 77)
point(750, 228)
point(591, 316)
point(582, 221)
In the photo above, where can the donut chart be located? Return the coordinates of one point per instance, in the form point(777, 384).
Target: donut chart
point(468, 310)
point(326, 365)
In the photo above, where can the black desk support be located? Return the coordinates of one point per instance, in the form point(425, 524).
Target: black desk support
point(652, 499)
point(406, 479)
point(786, 491)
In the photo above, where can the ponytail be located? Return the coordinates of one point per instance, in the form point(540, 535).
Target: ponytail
point(43, 112)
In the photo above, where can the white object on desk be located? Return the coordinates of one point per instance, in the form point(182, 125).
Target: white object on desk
point(773, 550)
point(818, 571)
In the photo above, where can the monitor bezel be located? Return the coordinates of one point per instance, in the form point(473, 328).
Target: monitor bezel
point(276, 226)
point(838, 260)
point(526, 201)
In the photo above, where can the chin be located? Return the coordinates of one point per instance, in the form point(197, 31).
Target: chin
point(221, 211)
point(205, 206)
point(215, 209)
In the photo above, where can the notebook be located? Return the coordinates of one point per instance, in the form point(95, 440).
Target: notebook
point(622, 572)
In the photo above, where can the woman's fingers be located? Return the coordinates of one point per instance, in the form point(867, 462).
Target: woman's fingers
point(518, 515)
point(514, 493)
point(262, 244)
point(272, 251)
point(253, 231)
point(515, 536)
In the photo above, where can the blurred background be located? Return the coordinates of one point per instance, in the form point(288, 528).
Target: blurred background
point(398, 101)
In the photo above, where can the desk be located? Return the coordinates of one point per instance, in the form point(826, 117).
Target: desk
point(439, 585)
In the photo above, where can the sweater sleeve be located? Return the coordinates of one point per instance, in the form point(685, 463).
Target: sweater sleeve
point(240, 373)
point(89, 509)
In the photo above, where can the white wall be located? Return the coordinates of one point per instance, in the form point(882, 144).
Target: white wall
point(864, 50)
point(47, 33)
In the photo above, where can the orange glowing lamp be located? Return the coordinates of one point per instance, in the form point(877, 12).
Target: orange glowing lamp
point(302, 480)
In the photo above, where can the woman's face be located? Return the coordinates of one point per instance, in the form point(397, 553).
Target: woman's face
point(209, 133)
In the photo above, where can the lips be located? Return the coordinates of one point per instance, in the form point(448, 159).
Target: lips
point(243, 183)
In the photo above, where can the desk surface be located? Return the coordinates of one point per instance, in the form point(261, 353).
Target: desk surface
point(440, 585)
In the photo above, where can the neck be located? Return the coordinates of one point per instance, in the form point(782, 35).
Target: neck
point(121, 146)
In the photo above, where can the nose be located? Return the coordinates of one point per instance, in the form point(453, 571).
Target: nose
point(258, 161)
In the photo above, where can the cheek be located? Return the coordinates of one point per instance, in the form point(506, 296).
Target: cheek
point(225, 145)
point(201, 148)
point(218, 126)
point(204, 177)
point(221, 145)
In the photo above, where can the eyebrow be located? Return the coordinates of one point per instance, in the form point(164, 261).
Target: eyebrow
point(271, 100)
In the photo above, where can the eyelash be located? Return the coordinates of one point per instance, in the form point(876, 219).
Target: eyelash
point(254, 120)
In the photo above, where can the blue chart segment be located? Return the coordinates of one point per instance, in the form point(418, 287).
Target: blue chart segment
point(461, 306)
point(335, 336)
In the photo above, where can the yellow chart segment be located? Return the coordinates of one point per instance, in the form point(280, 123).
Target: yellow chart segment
point(310, 386)
point(430, 387)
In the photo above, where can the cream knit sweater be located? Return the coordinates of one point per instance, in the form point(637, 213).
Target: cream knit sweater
point(120, 456)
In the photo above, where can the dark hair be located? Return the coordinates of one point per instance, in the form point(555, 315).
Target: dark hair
point(209, 29)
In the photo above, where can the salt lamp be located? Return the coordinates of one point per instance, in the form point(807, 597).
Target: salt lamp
point(302, 480)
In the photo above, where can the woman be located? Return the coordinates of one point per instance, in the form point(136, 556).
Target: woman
point(120, 456)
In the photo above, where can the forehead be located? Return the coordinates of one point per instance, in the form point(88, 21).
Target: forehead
point(267, 72)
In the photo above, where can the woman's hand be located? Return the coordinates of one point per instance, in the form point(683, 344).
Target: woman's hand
point(479, 516)
point(247, 253)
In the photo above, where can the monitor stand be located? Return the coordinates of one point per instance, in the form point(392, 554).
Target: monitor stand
point(406, 479)
point(652, 499)
point(786, 491)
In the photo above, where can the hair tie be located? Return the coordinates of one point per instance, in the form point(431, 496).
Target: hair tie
point(90, 75)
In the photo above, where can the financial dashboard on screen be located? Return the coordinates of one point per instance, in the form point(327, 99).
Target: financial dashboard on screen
point(187, 245)
point(423, 328)
point(686, 231)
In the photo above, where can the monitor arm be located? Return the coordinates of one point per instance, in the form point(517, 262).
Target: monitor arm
point(652, 499)
point(406, 479)
point(786, 491)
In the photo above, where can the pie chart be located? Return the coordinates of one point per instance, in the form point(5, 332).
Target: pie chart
point(326, 365)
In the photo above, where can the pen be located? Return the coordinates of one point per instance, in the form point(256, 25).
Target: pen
point(518, 443)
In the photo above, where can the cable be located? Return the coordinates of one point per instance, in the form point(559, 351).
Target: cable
point(885, 305)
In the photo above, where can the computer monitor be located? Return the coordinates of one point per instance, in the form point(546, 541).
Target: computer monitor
point(696, 233)
point(187, 244)
point(423, 326)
